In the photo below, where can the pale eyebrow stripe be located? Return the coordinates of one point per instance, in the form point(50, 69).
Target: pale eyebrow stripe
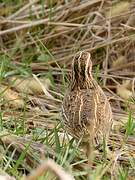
point(80, 55)
point(95, 112)
point(77, 95)
point(87, 64)
point(79, 64)
point(80, 109)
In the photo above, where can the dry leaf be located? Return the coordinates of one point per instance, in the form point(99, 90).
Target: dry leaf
point(117, 9)
point(30, 85)
point(123, 92)
point(126, 90)
point(42, 86)
point(49, 165)
point(11, 97)
point(36, 87)
point(127, 84)
point(21, 85)
point(118, 62)
point(2, 177)
point(6, 177)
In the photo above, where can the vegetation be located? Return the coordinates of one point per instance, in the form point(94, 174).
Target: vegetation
point(38, 40)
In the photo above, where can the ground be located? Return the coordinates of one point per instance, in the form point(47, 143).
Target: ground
point(38, 40)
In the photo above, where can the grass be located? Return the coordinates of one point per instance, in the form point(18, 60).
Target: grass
point(130, 126)
point(31, 131)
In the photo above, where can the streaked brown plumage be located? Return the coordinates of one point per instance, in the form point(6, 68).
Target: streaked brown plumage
point(85, 109)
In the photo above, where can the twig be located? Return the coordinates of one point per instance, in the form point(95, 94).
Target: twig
point(36, 23)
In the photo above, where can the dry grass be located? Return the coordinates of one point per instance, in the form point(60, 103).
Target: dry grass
point(38, 40)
